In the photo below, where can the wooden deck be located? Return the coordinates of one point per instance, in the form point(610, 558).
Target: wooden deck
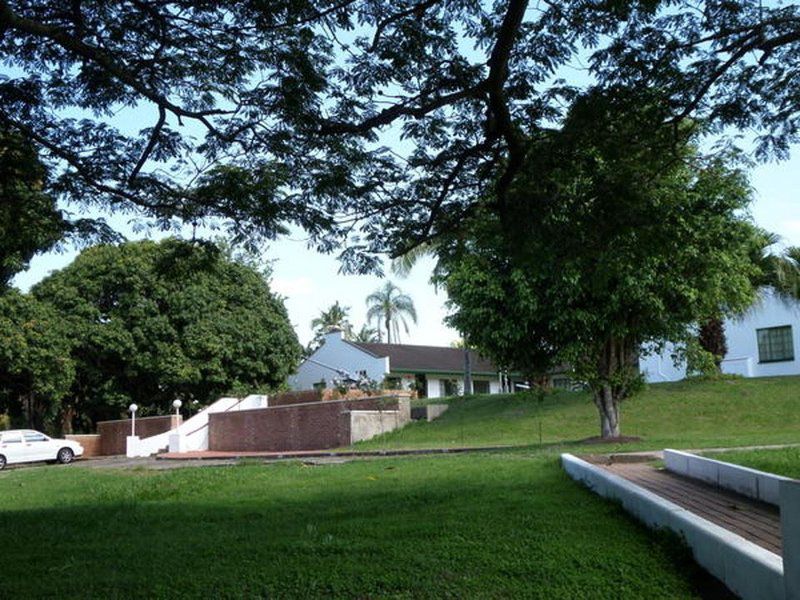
point(751, 519)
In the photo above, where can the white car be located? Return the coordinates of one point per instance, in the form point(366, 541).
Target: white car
point(26, 445)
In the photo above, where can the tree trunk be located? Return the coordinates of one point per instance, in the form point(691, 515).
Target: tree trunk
point(388, 330)
point(616, 367)
point(467, 371)
point(67, 415)
point(609, 413)
point(27, 404)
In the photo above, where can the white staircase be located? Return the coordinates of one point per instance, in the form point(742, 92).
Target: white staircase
point(192, 435)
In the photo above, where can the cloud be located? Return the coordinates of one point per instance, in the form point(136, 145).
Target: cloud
point(292, 287)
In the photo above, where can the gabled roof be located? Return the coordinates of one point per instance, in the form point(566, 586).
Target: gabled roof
point(427, 359)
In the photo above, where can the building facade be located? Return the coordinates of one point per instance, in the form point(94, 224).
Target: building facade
point(432, 371)
point(761, 343)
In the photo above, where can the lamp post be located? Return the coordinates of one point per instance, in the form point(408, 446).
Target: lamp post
point(133, 408)
point(176, 404)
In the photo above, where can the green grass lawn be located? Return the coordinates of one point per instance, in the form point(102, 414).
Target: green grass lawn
point(506, 524)
point(690, 414)
point(784, 461)
point(503, 525)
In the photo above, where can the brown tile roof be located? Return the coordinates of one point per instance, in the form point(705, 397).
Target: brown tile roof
point(436, 359)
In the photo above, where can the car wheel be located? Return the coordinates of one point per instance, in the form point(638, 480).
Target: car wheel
point(2, 462)
point(65, 456)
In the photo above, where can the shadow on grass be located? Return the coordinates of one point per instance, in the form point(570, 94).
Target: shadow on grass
point(479, 526)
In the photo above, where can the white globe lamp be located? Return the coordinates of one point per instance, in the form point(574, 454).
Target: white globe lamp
point(133, 408)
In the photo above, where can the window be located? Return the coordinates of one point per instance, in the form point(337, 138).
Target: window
point(35, 437)
point(452, 387)
point(562, 383)
point(480, 387)
point(775, 344)
point(11, 438)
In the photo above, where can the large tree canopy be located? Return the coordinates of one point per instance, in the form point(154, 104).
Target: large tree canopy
point(36, 369)
point(265, 112)
point(151, 322)
point(607, 246)
point(29, 219)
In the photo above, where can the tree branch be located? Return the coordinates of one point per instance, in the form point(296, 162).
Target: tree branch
point(96, 55)
point(499, 120)
point(389, 115)
point(162, 116)
point(383, 24)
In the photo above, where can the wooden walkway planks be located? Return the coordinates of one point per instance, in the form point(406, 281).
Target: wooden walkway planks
point(751, 519)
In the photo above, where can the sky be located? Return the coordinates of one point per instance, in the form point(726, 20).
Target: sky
point(310, 281)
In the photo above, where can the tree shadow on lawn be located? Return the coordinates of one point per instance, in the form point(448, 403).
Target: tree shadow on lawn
point(533, 535)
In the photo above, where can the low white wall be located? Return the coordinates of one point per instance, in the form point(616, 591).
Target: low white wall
point(434, 411)
point(366, 424)
point(790, 528)
point(748, 570)
point(748, 482)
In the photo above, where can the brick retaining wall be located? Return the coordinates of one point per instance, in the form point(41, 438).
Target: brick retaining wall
point(90, 443)
point(113, 434)
point(309, 426)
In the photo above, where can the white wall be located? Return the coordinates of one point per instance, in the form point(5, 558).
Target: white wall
point(659, 367)
point(338, 354)
point(434, 388)
point(742, 342)
point(742, 357)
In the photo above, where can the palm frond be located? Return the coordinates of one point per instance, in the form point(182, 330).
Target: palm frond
point(402, 265)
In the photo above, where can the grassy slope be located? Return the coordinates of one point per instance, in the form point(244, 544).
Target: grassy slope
point(785, 461)
point(682, 415)
point(490, 525)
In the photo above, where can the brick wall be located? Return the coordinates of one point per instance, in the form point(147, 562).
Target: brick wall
point(113, 434)
point(90, 443)
point(312, 426)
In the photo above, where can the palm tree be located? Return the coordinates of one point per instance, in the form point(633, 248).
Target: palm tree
point(403, 264)
point(390, 306)
point(366, 335)
point(336, 317)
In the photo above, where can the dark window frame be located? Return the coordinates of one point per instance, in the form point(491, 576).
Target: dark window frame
point(485, 384)
point(769, 350)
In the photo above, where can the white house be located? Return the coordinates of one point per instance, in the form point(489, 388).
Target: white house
point(432, 370)
point(761, 343)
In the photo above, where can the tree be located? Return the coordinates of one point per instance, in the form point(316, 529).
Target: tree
point(259, 113)
point(711, 337)
point(335, 317)
point(389, 306)
point(152, 322)
point(615, 238)
point(30, 222)
point(36, 369)
point(366, 335)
